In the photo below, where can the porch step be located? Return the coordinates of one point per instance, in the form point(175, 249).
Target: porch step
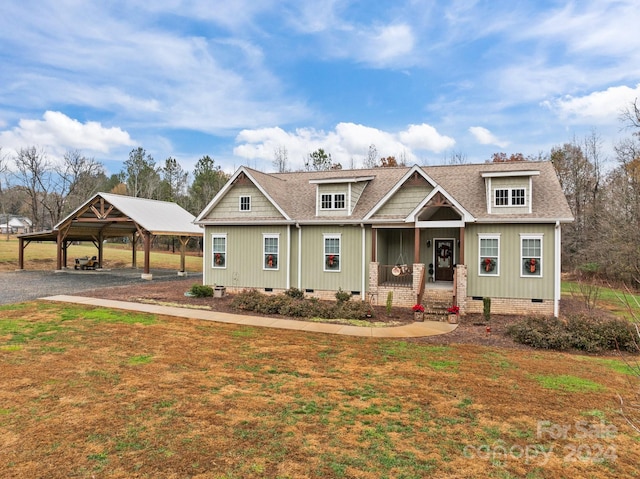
point(436, 302)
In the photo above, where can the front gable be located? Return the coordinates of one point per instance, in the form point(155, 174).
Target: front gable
point(402, 199)
point(242, 199)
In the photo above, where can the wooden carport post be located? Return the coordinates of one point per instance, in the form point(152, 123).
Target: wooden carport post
point(147, 254)
point(59, 241)
point(183, 250)
point(134, 259)
point(21, 253)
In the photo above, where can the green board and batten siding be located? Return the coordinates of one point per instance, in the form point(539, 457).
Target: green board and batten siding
point(245, 258)
point(349, 278)
point(509, 283)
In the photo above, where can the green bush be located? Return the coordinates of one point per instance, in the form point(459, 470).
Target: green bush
point(486, 309)
point(342, 296)
point(582, 332)
point(389, 301)
point(294, 293)
point(284, 304)
point(201, 291)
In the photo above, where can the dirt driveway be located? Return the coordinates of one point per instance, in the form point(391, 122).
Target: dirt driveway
point(19, 286)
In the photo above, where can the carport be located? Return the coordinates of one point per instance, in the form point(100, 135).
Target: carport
point(115, 216)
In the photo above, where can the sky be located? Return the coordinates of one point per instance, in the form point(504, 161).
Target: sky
point(423, 81)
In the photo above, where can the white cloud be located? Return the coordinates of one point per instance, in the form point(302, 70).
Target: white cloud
point(485, 137)
point(57, 133)
point(348, 143)
point(596, 107)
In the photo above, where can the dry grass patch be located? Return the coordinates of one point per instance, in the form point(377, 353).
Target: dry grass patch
point(98, 393)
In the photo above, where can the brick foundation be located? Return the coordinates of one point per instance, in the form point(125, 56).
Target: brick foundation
point(511, 306)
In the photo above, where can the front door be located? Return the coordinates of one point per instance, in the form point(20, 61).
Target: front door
point(444, 260)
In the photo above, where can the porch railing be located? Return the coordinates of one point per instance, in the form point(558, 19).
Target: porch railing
point(395, 275)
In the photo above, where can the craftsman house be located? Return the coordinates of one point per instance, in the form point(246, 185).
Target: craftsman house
point(460, 232)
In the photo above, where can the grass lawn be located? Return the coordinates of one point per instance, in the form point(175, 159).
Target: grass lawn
point(100, 393)
point(40, 256)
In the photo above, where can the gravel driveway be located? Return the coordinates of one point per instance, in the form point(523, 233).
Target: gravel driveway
point(19, 286)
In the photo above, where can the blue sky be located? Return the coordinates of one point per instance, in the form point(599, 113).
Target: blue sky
point(236, 80)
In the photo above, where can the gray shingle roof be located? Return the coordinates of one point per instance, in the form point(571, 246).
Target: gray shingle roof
point(296, 196)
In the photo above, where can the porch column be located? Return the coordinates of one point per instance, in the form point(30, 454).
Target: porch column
point(416, 245)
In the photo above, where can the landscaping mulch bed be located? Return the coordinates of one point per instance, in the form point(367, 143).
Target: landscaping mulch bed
point(471, 330)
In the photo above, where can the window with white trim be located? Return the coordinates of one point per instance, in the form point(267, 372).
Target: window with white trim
point(331, 253)
point(219, 250)
point(531, 256)
point(333, 201)
point(510, 197)
point(271, 251)
point(245, 203)
point(489, 255)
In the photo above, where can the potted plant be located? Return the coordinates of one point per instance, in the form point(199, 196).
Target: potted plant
point(453, 314)
point(418, 312)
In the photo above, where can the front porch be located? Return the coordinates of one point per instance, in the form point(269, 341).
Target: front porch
point(408, 285)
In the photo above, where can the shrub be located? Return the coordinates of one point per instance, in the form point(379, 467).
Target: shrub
point(342, 296)
point(201, 291)
point(582, 332)
point(486, 309)
point(389, 301)
point(247, 300)
point(294, 293)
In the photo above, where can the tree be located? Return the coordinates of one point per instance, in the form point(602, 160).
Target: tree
point(174, 181)
point(371, 161)
point(141, 175)
point(388, 162)
point(318, 161)
point(73, 181)
point(33, 173)
point(208, 179)
point(503, 158)
point(280, 159)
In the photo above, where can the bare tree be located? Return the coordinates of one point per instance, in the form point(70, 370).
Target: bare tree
point(319, 160)
point(281, 159)
point(371, 161)
point(33, 173)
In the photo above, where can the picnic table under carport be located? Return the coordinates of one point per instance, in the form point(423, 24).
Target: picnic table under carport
point(106, 216)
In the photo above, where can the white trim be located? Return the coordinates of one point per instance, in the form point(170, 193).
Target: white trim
point(240, 198)
point(488, 236)
point(332, 201)
point(364, 261)
point(397, 186)
point(299, 255)
point(328, 181)
point(440, 224)
point(466, 216)
point(557, 287)
point(225, 252)
point(326, 236)
point(288, 256)
point(266, 236)
point(530, 236)
point(510, 197)
point(502, 174)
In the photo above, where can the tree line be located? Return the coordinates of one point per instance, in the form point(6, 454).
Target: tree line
point(46, 192)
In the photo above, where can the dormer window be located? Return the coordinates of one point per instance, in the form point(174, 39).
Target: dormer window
point(510, 197)
point(333, 201)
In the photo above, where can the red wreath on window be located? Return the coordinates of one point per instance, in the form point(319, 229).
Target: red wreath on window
point(489, 264)
point(332, 261)
point(532, 265)
point(270, 261)
point(218, 258)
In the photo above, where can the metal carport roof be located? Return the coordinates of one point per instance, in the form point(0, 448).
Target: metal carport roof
point(106, 215)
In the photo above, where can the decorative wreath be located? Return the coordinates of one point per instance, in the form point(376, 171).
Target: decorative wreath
point(271, 261)
point(488, 264)
point(332, 261)
point(219, 259)
point(532, 265)
point(444, 252)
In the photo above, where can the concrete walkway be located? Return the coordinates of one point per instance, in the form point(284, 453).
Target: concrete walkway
point(413, 330)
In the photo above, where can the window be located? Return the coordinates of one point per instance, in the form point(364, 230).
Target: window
point(502, 197)
point(336, 201)
point(332, 252)
point(511, 197)
point(245, 203)
point(489, 256)
point(271, 251)
point(517, 197)
point(219, 250)
point(531, 256)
